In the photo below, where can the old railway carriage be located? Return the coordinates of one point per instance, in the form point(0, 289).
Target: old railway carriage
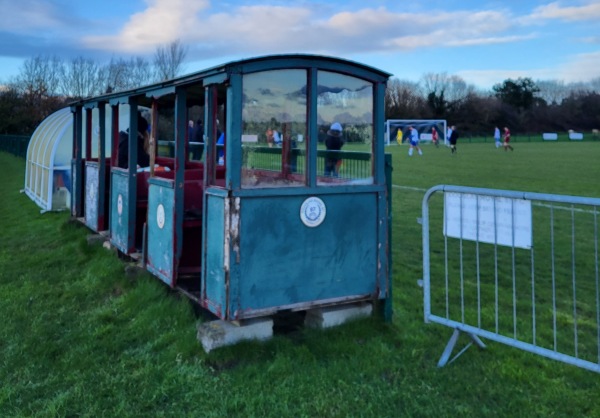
point(242, 210)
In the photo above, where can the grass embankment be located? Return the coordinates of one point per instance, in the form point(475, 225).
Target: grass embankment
point(81, 337)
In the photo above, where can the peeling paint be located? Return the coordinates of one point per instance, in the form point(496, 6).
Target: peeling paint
point(91, 198)
point(226, 254)
point(226, 241)
point(235, 229)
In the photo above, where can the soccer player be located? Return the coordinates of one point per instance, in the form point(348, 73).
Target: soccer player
point(507, 139)
point(497, 136)
point(453, 139)
point(414, 141)
point(399, 136)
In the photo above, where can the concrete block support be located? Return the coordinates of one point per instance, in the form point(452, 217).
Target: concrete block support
point(336, 315)
point(221, 333)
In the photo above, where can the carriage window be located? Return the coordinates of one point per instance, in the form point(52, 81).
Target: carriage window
point(345, 117)
point(274, 125)
point(164, 129)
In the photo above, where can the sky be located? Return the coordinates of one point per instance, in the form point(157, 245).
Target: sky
point(483, 42)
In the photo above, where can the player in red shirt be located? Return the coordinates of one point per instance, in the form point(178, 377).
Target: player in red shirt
point(434, 137)
point(507, 140)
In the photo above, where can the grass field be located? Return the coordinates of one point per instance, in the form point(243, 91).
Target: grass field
point(81, 335)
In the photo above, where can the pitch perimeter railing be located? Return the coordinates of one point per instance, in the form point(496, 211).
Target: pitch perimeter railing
point(516, 268)
point(15, 144)
point(353, 164)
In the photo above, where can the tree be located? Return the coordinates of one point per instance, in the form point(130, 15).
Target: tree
point(14, 118)
point(444, 92)
point(581, 111)
point(477, 113)
point(38, 87)
point(595, 84)
point(140, 72)
point(437, 103)
point(434, 87)
point(168, 60)
point(114, 75)
point(518, 93)
point(81, 78)
point(402, 100)
point(40, 76)
point(458, 89)
point(121, 74)
point(552, 92)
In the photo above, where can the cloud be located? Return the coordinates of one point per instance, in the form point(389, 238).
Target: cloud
point(258, 26)
point(454, 29)
point(579, 67)
point(576, 68)
point(554, 10)
point(366, 20)
point(40, 27)
point(591, 40)
point(163, 21)
point(487, 78)
point(214, 30)
point(491, 40)
point(275, 29)
point(26, 15)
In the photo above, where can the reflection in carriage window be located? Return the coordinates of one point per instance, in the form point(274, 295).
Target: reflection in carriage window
point(195, 133)
point(344, 111)
point(274, 125)
point(165, 141)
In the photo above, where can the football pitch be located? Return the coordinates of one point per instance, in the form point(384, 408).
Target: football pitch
point(555, 168)
point(81, 336)
point(571, 168)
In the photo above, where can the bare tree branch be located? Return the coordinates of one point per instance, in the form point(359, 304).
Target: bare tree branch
point(168, 60)
point(81, 78)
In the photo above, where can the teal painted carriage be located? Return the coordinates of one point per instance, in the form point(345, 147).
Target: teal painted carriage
point(250, 226)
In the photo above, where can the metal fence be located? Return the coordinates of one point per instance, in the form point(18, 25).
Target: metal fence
point(516, 137)
point(514, 267)
point(15, 144)
point(353, 164)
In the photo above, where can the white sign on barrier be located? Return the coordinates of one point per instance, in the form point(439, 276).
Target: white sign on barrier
point(489, 219)
point(249, 138)
point(549, 137)
point(577, 136)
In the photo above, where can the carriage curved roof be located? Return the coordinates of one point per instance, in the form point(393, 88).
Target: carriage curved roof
point(249, 65)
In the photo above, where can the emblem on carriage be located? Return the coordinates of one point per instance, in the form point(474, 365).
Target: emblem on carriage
point(120, 204)
point(160, 216)
point(312, 212)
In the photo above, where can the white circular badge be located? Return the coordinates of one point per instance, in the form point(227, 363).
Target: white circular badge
point(160, 216)
point(312, 212)
point(120, 204)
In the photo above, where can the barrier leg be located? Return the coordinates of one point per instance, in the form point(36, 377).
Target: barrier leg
point(450, 347)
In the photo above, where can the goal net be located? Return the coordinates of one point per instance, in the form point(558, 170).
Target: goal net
point(396, 130)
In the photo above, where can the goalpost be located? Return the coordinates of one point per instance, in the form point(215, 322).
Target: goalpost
point(396, 130)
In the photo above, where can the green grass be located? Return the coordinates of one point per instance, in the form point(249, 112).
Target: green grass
point(81, 336)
